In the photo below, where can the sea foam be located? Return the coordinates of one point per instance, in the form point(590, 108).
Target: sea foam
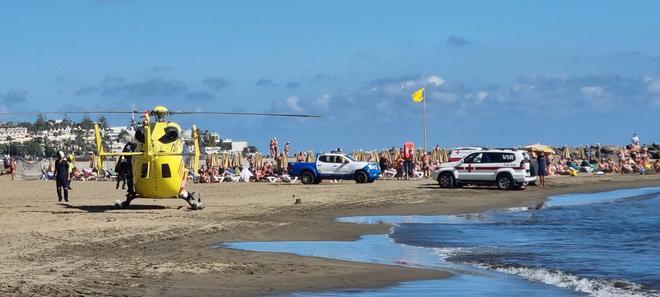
point(592, 287)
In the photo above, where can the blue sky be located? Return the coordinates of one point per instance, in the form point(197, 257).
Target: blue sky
point(497, 72)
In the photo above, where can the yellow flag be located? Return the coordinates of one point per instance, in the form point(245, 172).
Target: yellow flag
point(418, 96)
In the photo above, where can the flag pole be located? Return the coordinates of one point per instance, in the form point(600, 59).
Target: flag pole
point(424, 115)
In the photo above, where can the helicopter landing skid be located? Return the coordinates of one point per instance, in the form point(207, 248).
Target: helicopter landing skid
point(195, 204)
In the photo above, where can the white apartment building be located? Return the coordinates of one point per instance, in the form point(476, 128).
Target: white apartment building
point(14, 134)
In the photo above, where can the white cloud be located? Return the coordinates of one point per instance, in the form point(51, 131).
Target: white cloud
point(293, 103)
point(324, 101)
point(481, 95)
point(653, 85)
point(435, 80)
point(592, 91)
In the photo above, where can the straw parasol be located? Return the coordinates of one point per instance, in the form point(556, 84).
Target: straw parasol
point(580, 153)
point(310, 157)
point(238, 159)
point(565, 152)
point(436, 155)
point(258, 160)
point(540, 148)
point(375, 158)
point(445, 156)
point(283, 162)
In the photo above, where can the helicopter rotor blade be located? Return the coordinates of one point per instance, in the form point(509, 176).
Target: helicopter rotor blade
point(269, 114)
point(134, 112)
point(68, 112)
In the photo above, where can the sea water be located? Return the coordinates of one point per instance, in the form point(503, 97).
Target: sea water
point(599, 244)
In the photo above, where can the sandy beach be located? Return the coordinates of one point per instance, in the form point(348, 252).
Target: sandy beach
point(161, 248)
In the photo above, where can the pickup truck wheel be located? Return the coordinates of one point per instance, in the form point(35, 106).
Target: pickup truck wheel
point(446, 180)
point(505, 181)
point(361, 177)
point(307, 178)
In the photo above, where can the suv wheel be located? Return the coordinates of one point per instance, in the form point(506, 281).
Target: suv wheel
point(307, 178)
point(446, 180)
point(361, 177)
point(505, 181)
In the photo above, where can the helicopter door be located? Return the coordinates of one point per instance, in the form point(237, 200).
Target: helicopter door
point(144, 170)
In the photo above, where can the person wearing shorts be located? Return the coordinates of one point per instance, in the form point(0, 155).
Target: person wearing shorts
point(543, 168)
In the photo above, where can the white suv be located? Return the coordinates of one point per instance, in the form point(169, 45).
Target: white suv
point(507, 169)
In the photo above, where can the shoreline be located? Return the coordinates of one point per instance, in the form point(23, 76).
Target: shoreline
point(169, 254)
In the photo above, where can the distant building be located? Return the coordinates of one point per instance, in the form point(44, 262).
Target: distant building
point(14, 134)
point(236, 146)
point(117, 142)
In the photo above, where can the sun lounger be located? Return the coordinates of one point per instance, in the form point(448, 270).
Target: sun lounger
point(287, 179)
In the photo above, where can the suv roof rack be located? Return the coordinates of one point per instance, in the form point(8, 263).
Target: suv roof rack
point(502, 148)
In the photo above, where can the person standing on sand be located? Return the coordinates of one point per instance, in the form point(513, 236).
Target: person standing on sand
point(634, 139)
point(12, 168)
point(543, 168)
point(287, 147)
point(276, 148)
point(62, 177)
point(409, 161)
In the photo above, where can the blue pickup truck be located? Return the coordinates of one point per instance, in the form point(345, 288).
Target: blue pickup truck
point(334, 166)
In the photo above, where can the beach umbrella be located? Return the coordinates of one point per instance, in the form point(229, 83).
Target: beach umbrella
point(580, 153)
point(238, 157)
point(435, 155)
point(375, 158)
point(540, 148)
point(258, 160)
point(284, 162)
point(310, 157)
point(565, 152)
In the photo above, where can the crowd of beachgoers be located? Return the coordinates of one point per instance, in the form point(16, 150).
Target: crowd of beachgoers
point(593, 159)
point(633, 158)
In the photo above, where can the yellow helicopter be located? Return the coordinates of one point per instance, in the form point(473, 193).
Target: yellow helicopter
point(157, 159)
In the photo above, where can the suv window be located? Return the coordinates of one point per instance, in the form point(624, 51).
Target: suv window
point(498, 158)
point(490, 158)
point(323, 159)
point(474, 158)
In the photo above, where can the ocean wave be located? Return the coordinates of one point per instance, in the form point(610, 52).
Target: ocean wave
point(592, 287)
point(516, 209)
point(449, 252)
point(598, 197)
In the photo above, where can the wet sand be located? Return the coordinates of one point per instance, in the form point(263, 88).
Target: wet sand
point(161, 248)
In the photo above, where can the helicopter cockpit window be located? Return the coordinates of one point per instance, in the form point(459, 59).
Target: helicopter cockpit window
point(171, 135)
point(144, 171)
point(165, 171)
